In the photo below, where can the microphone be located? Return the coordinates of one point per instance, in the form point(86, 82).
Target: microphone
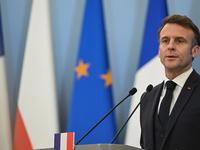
point(148, 89)
point(131, 92)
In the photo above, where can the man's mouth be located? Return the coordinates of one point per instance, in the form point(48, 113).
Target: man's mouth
point(171, 56)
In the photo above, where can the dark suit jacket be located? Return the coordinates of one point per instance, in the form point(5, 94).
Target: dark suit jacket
point(183, 128)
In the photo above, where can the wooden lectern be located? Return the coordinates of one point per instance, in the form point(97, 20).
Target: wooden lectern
point(101, 147)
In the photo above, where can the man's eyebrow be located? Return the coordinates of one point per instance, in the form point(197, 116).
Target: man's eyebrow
point(164, 37)
point(178, 37)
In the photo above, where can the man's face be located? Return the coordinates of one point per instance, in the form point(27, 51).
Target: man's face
point(175, 48)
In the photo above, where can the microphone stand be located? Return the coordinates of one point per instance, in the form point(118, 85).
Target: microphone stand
point(149, 88)
point(131, 92)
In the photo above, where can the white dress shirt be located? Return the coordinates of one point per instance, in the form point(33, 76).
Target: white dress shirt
point(180, 81)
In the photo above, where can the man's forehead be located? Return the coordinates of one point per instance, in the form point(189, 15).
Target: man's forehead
point(176, 30)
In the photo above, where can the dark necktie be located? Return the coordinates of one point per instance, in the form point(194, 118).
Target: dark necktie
point(166, 102)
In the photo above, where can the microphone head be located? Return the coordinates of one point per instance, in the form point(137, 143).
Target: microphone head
point(149, 88)
point(133, 91)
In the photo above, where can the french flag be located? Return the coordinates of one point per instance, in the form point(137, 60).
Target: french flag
point(150, 70)
point(64, 141)
point(5, 126)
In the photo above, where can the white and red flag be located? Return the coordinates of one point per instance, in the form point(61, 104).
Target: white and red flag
point(36, 118)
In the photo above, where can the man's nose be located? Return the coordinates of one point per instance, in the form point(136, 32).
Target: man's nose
point(171, 45)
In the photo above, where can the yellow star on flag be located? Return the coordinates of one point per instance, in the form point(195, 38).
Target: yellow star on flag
point(81, 69)
point(107, 77)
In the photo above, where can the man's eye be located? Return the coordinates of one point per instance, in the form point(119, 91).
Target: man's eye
point(179, 41)
point(165, 41)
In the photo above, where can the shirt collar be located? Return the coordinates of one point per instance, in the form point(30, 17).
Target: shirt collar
point(181, 79)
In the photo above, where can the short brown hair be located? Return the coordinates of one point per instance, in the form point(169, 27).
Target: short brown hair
point(182, 21)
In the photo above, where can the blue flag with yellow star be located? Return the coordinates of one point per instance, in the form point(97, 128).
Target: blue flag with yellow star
point(92, 97)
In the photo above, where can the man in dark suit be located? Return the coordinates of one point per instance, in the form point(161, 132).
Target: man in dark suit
point(179, 42)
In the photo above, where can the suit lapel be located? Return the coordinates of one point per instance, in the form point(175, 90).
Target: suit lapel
point(155, 101)
point(184, 96)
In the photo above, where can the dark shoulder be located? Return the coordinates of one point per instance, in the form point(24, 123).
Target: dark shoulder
point(152, 94)
point(157, 87)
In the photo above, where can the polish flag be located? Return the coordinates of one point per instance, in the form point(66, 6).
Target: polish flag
point(37, 118)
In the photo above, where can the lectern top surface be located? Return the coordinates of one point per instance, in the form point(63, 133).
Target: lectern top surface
point(100, 147)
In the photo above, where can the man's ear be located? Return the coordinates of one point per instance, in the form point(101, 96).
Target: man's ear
point(195, 51)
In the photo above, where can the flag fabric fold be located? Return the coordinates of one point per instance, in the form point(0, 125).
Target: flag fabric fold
point(92, 97)
point(5, 126)
point(150, 70)
point(36, 116)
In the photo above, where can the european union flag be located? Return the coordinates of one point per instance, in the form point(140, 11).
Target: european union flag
point(92, 98)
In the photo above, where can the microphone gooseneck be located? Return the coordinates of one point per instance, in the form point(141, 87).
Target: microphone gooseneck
point(131, 92)
point(148, 89)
